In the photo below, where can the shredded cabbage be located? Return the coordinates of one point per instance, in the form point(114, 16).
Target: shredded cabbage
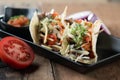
point(45, 22)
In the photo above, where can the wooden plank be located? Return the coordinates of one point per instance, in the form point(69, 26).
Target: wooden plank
point(64, 73)
point(106, 72)
point(43, 70)
point(10, 74)
point(39, 70)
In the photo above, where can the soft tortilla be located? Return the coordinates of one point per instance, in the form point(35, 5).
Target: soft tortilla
point(34, 25)
point(33, 28)
point(95, 30)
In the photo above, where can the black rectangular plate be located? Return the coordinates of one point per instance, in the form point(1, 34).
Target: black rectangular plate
point(104, 56)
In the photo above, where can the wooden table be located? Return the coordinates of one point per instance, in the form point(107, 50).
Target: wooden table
point(45, 69)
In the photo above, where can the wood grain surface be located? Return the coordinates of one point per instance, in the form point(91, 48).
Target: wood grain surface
point(44, 69)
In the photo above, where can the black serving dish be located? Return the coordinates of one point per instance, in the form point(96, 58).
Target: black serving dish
point(19, 31)
point(108, 50)
point(108, 47)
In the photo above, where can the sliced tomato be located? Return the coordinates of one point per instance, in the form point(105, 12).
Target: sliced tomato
point(52, 39)
point(16, 53)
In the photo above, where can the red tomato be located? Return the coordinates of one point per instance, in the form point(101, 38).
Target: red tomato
point(21, 21)
point(87, 38)
point(26, 20)
point(55, 14)
point(53, 37)
point(18, 21)
point(16, 53)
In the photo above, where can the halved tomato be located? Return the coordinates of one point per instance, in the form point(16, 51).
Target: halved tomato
point(15, 52)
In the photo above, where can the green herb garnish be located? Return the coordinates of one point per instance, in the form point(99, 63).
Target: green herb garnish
point(78, 31)
point(15, 17)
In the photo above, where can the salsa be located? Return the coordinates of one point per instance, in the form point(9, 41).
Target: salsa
point(18, 21)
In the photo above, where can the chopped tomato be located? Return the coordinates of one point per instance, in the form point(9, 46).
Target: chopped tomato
point(87, 39)
point(21, 20)
point(55, 14)
point(78, 20)
point(87, 46)
point(91, 55)
point(16, 53)
point(26, 19)
point(18, 21)
point(52, 39)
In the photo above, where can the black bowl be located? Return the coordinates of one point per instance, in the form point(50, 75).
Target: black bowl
point(9, 12)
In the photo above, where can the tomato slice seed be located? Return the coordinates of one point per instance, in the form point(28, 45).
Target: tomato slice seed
point(16, 50)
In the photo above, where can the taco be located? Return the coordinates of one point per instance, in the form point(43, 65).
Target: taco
point(46, 29)
point(79, 41)
point(73, 39)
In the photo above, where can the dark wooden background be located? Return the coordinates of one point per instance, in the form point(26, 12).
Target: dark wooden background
point(44, 69)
